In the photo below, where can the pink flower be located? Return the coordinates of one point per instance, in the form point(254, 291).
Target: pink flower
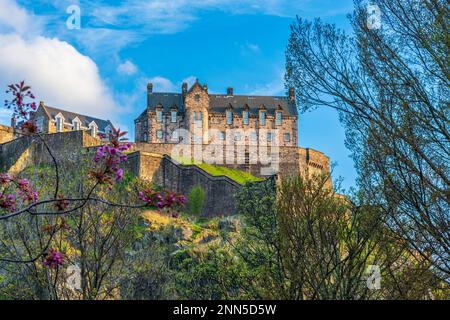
point(119, 175)
point(54, 259)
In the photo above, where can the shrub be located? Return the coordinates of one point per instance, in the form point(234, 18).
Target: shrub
point(195, 200)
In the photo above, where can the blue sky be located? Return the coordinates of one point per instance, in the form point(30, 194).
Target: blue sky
point(102, 69)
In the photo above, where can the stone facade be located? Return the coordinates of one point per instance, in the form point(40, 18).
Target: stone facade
point(6, 134)
point(53, 120)
point(256, 134)
point(210, 117)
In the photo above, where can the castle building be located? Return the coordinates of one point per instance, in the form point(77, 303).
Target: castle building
point(256, 134)
point(53, 120)
point(215, 115)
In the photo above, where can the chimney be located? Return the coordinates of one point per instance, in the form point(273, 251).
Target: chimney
point(150, 87)
point(291, 94)
point(229, 91)
point(184, 88)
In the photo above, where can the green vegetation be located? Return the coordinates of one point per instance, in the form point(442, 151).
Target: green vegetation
point(196, 199)
point(239, 176)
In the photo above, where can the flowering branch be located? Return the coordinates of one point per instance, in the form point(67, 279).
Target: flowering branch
point(17, 196)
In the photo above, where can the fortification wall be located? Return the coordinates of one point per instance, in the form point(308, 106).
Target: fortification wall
point(151, 162)
point(290, 161)
point(6, 133)
point(67, 147)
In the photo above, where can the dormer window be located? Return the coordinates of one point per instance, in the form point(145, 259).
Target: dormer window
point(76, 125)
point(262, 118)
point(229, 117)
point(245, 116)
point(279, 118)
point(107, 132)
point(59, 123)
point(93, 128)
point(159, 116)
point(173, 116)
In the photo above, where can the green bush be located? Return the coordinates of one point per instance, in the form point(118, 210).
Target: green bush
point(195, 200)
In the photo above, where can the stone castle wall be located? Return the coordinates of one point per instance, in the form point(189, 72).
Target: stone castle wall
point(152, 162)
point(70, 148)
point(291, 160)
point(6, 134)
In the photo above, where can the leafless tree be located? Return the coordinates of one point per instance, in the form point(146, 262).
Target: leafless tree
point(391, 88)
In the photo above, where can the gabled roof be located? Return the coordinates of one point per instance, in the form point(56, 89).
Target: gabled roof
point(70, 116)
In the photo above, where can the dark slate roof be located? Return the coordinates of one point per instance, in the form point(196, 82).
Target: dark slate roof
point(85, 120)
point(219, 103)
point(167, 100)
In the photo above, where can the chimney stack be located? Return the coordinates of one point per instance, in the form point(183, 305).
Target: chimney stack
point(291, 94)
point(150, 87)
point(184, 88)
point(229, 91)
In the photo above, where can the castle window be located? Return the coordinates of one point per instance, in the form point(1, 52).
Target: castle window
point(199, 121)
point(159, 117)
point(253, 136)
point(159, 134)
point(262, 118)
point(59, 124)
point(222, 135)
point(175, 136)
point(145, 123)
point(196, 139)
point(279, 118)
point(237, 136)
point(229, 117)
point(76, 126)
point(245, 116)
point(287, 137)
point(173, 117)
point(194, 117)
point(145, 137)
point(269, 136)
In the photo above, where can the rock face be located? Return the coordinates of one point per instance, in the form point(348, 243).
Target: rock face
point(173, 234)
point(230, 224)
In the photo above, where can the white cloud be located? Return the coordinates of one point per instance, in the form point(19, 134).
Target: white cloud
point(127, 68)
point(272, 88)
point(161, 84)
point(18, 20)
point(59, 74)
